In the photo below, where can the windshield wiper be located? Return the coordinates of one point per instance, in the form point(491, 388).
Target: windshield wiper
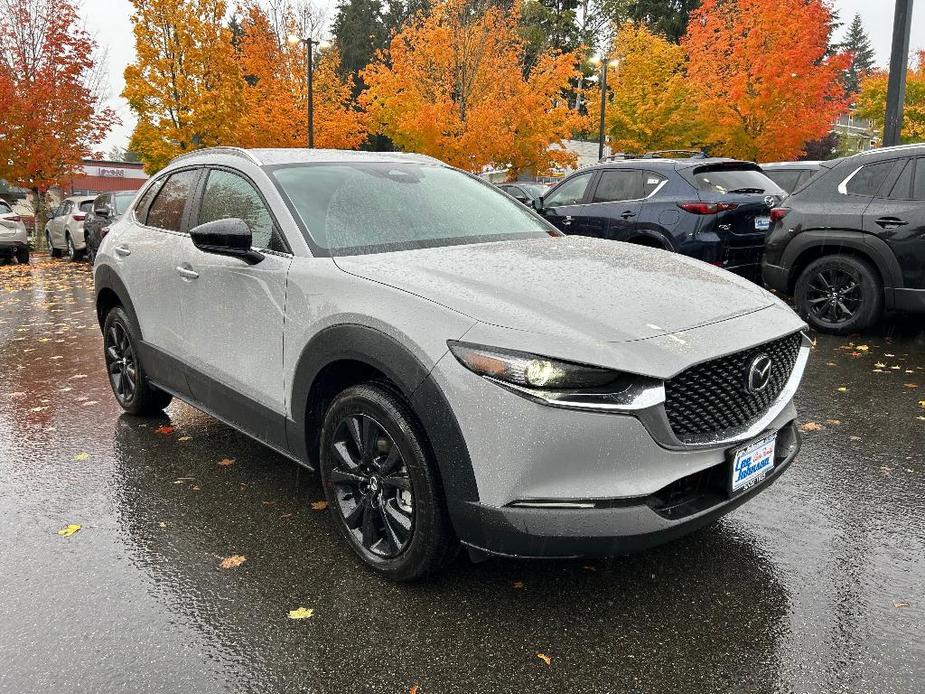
point(747, 190)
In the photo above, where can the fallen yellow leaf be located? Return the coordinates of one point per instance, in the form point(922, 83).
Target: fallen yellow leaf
point(234, 561)
point(301, 613)
point(413, 690)
point(81, 456)
point(862, 348)
point(518, 584)
point(910, 385)
point(921, 403)
point(319, 505)
point(843, 390)
point(225, 462)
point(545, 658)
point(69, 530)
point(900, 603)
point(184, 438)
point(810, 426)
point(833, 422)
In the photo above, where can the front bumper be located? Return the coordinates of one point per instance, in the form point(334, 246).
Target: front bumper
point(619, 526)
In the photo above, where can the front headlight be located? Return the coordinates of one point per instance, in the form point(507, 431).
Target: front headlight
point(530, 370)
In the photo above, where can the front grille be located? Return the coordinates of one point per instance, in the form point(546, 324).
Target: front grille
point(711, 398)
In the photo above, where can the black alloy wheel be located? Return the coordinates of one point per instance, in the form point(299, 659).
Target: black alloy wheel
point(382, 486)
point(839, 294)
point(372, 488)
point(121, 364)
point(834, 295)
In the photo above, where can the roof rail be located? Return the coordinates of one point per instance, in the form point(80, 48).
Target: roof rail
point(235, 151)
point(689, 154)
point(619, 156)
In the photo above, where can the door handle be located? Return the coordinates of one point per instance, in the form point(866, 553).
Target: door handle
point(123, 251)
point(891, 222)
point(187, 272)
point(627, 214)
point(566, 221)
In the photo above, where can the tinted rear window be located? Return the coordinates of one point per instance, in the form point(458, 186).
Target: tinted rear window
point(868, 179)
point(728, 180)
point(86, 206)
point(786, 179)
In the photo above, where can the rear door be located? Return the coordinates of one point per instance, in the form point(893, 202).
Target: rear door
point(897, 215)
point(564, 205)
point(234, 312)
point(614, 206)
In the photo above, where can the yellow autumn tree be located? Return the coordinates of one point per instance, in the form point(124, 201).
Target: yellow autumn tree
point(871, 101)
point(649, 103)
point(184, 85)
point(275, 90)
point(452, 87)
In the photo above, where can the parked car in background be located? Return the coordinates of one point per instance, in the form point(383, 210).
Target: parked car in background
point(64, 231)
point(106, 209)
point(523, 191)
point(716, 210)
point(851, 243)
point(457, 372)
point(14, 238)
point(790, 175)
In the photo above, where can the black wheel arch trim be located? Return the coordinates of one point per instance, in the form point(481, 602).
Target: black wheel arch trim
point(106, 279)
point(412, 378)
point(873, 248)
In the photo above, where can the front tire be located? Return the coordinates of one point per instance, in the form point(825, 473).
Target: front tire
point(839, 294)
point(127, 377)
point(381, 485)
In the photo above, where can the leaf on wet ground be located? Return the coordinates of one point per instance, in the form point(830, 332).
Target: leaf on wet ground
point(910, 385)
point(900, 604)
point(545, 658)
point(319, 505)
point(225, 462)
point(921, 403)
point(879, 365)
point(83, 455)
point(164, 429)
point(232, 562)
point(862, 348)
point(413, 690)
point(69, 530)
point(833, 422)
point(301, 613)
point(518, 585)
point(842, 389)
point(184, 438)
point(811, 426)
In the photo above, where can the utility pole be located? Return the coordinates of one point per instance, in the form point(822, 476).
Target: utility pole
point(899, 61)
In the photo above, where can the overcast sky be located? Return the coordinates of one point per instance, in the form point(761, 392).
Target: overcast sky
point(109, 21)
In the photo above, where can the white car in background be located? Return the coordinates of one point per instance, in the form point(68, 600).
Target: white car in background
point(14, 239)
point(64, 231)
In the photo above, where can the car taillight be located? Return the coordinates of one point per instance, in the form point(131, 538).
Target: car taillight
point(103, 232)
point(778, 213)
point(707, 207)
point(79, 217)
point(12, 218)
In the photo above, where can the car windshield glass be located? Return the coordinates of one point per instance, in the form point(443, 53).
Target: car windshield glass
point(355, 208)
point(735, 181)
point(122, 201)
point(534, 190)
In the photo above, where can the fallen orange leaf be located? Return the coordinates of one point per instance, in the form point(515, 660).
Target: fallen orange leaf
point(545, 658)
point(319, 505)
point(232, 562)
point(226, 462)
point(164, 429)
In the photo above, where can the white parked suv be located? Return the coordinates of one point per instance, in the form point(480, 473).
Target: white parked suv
point(456, 368)
point(64, 231)
point(14, 238)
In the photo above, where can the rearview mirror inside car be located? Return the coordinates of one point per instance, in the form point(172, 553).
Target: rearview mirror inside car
point(230, 237)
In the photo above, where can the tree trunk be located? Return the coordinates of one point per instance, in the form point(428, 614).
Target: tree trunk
point(39, 217)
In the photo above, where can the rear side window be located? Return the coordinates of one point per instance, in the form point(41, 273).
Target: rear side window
point(618, 185)
point(166, 212)
point(918, 191)
point(902, 189)
point(868, 179)
point(86, 206)
point(571, 192)
point(651, 182)
point(727, 180)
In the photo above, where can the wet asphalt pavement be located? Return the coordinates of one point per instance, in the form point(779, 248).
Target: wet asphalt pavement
point(817, 585)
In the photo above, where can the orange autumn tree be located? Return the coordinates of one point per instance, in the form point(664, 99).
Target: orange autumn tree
point(765, 83)
point(184, 86)
point(452, 86)
point(871, 101)
point(51, 115)
point(275, 91)
point(650, 105)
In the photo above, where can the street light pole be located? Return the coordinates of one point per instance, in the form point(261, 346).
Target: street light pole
point(309, 44)
point(600, 137)
point(899, 61)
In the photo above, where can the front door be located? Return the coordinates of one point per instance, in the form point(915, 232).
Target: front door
point(616, 204)
point(563, 205)
point(234, 313)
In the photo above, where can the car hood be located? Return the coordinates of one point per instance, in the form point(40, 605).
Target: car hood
point(568, 286)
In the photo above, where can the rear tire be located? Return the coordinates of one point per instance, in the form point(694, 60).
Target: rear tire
point(72, 253)
point(839, 294)
point(127, 377)
point(52, 251)
point(22, 255)
point(381, 484)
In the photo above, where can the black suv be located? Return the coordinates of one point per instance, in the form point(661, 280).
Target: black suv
point(851, 242)
point(716, 210)
point(107, 208)
point(791, 175)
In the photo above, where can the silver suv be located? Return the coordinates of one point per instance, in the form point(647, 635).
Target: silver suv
point(14, 238)
point(456, 369)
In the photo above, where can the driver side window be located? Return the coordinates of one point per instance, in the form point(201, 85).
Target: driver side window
point(228, 195)
point(571, 192)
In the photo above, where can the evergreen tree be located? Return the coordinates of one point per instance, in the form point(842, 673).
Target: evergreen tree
point(359, 31)
point(666, 17)
point(857, 43)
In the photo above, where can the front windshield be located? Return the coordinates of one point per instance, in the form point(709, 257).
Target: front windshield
point(372, 207)
point(123, 200)
point(534, 190)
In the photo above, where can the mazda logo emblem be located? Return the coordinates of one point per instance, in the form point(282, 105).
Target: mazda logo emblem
point(758, 373)
point(770, 200)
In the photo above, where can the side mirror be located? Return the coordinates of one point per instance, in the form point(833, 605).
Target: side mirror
point(226, 237)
